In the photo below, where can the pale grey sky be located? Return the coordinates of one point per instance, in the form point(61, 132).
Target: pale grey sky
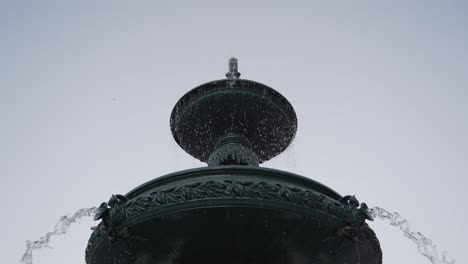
point(380, 89)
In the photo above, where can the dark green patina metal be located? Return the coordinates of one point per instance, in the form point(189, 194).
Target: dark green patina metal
point(233, 211)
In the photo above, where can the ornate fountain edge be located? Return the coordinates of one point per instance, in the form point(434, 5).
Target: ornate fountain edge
point(122, 213)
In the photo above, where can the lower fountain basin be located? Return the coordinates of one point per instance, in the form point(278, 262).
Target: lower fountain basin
point(233, 214)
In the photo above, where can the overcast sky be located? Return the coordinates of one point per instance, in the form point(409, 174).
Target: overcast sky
point(380, 90)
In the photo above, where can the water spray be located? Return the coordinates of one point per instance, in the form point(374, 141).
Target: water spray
point(424, 244)
point(60, 228)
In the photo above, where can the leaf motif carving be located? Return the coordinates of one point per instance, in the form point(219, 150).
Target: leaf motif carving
point(223, 189)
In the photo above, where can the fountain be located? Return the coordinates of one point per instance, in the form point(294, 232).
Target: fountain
point(233, 211)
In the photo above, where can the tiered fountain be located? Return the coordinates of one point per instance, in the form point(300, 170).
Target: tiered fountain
point(233, 211)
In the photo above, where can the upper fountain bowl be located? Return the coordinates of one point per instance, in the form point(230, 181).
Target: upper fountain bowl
point(258, 114)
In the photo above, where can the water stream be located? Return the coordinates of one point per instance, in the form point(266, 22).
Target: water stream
point(60, 229)
point(424, 245)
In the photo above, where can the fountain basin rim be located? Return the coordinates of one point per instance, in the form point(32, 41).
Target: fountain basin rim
point(229, 187)
point(200, 90)
point(228, 203)
point(235, 170)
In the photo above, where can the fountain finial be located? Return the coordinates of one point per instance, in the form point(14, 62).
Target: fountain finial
point(233, 69)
